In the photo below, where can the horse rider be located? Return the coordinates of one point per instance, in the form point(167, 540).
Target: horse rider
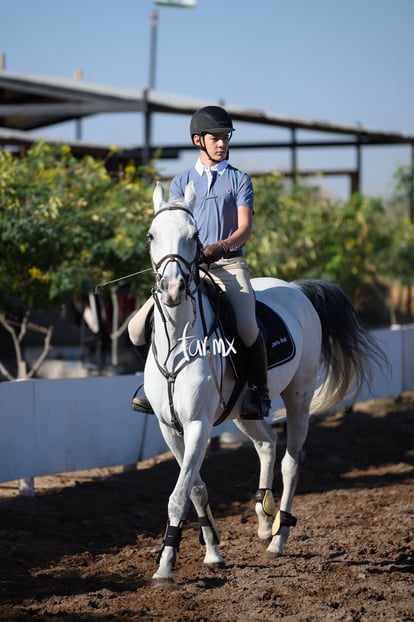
point(223, 213)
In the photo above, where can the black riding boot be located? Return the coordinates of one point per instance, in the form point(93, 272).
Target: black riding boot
point(256, 401)
point(140, 402)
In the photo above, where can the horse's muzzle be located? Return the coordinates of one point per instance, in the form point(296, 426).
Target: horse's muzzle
point(172, 291)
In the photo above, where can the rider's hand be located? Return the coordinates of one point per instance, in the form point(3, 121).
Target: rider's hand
point(214, 252)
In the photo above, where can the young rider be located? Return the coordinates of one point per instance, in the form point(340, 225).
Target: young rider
point(223, 212)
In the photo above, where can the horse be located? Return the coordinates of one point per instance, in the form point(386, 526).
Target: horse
point(189, 381)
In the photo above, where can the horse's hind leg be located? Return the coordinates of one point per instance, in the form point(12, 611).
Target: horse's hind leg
point(209, 533)
point(297, 404)
point(264, 440)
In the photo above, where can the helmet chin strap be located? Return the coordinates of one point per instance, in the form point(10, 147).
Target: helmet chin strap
point(204, 148)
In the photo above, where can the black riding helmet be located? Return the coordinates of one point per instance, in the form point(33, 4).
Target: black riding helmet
point(210, 120)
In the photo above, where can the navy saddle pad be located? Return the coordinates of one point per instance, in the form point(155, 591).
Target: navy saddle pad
point(279, 343)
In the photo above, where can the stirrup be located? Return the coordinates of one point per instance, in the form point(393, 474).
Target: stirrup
point(256, 404)
point(141, 403)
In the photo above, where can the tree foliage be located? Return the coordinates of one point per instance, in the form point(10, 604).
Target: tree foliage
point(303, 233)
point(67, 225)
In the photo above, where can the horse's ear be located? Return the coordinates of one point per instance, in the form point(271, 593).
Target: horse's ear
point(190, 194)
point(158, 196)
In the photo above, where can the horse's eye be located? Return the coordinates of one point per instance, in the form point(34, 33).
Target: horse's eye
point(150, 238)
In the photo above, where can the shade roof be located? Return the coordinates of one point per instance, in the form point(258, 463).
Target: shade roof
point(32, 102)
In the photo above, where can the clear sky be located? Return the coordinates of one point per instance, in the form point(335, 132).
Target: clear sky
point(344, 61)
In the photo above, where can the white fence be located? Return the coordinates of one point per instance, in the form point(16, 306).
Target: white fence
point(71, 424)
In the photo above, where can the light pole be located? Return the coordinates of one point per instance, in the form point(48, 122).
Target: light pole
point(152, 67)
point(153, 48)
point(151, 85)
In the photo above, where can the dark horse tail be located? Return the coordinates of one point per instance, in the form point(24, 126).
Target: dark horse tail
point(349, 351)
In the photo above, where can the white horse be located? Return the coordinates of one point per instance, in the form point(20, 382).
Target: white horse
point(188, 380)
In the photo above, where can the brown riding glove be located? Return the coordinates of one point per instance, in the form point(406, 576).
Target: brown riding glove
point(214, 252)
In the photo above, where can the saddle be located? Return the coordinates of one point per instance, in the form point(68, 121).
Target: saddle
point(280, 346)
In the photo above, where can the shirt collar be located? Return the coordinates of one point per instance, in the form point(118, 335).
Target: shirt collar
point(220, 167)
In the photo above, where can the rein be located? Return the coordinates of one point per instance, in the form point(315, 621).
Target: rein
point(193, 275)
point(169, 376)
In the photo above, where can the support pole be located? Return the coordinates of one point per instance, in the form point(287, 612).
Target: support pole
point(411, 187)
point(358, 164)
point(78, 75)
point(151, 85)
point(294, 162)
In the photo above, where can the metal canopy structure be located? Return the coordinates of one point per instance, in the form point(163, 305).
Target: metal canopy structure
point(32, 102)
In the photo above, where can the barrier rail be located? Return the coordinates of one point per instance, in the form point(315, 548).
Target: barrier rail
point(71, 424)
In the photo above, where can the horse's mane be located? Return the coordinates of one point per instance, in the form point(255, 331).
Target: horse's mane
point(175, 202)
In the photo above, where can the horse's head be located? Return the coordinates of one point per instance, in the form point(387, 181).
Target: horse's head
point(174, 245)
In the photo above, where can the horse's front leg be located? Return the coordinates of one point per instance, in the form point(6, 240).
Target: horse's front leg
point(196, 435)
point(209, 532)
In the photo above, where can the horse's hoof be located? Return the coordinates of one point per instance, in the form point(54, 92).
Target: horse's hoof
point(265, 542)
point(162, 580)
point(272, 554)
point(158, 581)
point(216, 564)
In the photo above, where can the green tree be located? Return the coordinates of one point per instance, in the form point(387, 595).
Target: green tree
point(65, 226)
point(303, 233)
point(403, 195)
point(400, 259)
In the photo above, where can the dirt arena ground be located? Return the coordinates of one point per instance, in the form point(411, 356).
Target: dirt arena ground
point(84, 548)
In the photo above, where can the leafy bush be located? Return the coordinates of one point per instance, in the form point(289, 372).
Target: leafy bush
point(303, 233)
point(67, 225)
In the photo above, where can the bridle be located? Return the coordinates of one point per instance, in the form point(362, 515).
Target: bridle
point(187, 268)
point(191, 277)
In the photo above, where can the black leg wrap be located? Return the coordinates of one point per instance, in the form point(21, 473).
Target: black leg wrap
point(259, 496)
point(283, 519)
point(204, 522)
point(172, 538)
point(287, 519)
point(208, 521)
